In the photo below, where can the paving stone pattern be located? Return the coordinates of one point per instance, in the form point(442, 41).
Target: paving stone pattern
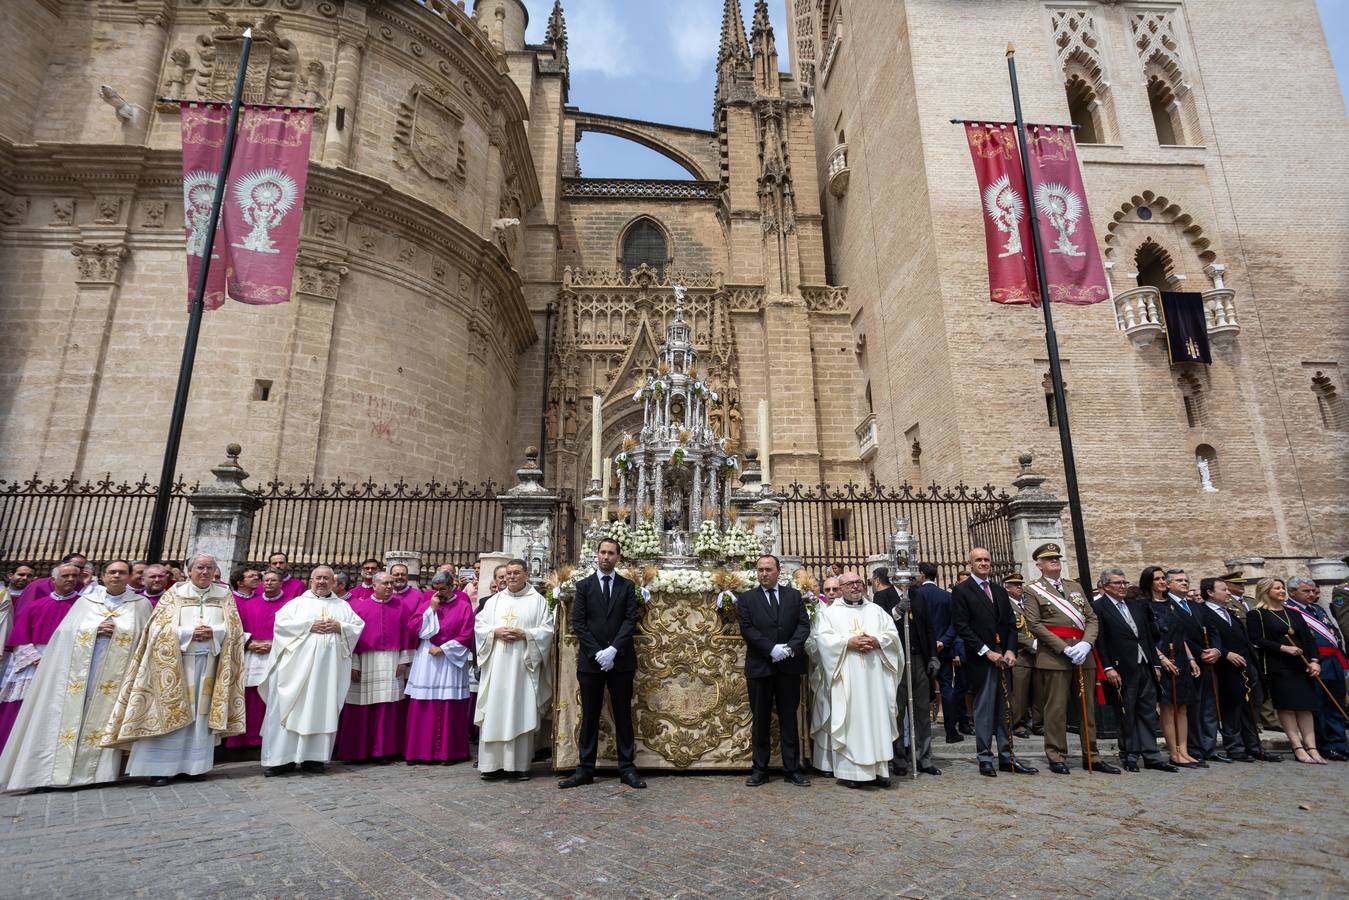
point(397, 831)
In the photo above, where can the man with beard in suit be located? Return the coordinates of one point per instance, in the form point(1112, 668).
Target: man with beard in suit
point(1127, 647)
point(775, 625)
point(604, 618)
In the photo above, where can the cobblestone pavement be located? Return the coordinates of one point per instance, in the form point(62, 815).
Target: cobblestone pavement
point(398, 831)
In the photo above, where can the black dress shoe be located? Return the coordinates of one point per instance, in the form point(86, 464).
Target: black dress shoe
point(988, 770)
point(1199, 764)
point(882, 782)
point(955, 738)
point(632, 780)
point(161, 781)
point(494, 776)
point(1336, 755)
point(1017, 768)
point(1265, 756)
point(798, 778)
point(313, 766)
point(1103, 767)
point(1130, 766)
point(1021, 734)
point(1241, 757)
point(1058, 768)
point(273, 771)
point(1218, 757)
point(520, 776)
point(1160, 766)
point(849, 783)
point(756, 778)
point(929, 770)
point(899, 769)
point(575, 781)
point(200, 777)
point(965, 728)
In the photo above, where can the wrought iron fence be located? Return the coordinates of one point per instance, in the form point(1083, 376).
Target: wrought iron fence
point(42, 521)
point(337, 524)
point(847, 524)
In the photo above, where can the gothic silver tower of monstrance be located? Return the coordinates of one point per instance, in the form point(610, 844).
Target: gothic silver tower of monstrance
point(676, 471)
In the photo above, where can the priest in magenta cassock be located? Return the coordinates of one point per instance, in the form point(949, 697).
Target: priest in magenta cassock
point(35, 621)
point(184, 691)
point(291, 586)
point(258, 614)
point(860, 658)
point(440, 708)
point(56, 740)
point(372, 721)
point(42, 587)
point(514, 634)
point(308, 677)
point(404, 591)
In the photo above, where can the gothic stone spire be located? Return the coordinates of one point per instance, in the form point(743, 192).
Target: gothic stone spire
point(765, 52)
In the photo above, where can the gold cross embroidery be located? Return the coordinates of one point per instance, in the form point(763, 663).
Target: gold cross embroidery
point(509, 617)
point(109, 687)
point(122, 638)
point(1192, 346)
point(84, 638)
point(92, 740)
point(67, 737)
point(857, 628)
point(74, 687)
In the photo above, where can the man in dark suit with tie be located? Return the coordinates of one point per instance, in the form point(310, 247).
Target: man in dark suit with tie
point(949, 650)
point(603, 618)
point(1238, 682)
point(983, 619)
point(775, 625)
point(1127, 648)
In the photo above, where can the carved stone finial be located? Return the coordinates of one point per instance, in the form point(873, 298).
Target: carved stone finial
point(233, 451)
point(1025, 460)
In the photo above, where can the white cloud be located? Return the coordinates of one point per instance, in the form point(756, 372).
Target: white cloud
point(598, 39)
point(695, 31)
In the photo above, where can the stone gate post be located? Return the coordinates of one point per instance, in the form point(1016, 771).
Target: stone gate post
point(1036, 517)
point(527, 512)
point(222, 513)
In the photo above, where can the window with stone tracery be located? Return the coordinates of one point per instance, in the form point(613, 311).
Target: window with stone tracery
point(1084, 79)
point(644, 242)
point(1157, 38)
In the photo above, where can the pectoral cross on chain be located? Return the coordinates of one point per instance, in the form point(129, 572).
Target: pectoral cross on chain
point(509, 617)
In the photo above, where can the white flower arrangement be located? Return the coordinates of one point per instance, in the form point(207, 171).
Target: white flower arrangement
point(682, 581)
point(740, 543)
point(645, 541)
point(707, 540)
point(619, 531)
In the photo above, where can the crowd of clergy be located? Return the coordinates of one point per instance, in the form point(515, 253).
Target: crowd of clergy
point(140, 673)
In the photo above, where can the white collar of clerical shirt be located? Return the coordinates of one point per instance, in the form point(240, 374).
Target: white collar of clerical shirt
point(65, 599)
point(278, 596)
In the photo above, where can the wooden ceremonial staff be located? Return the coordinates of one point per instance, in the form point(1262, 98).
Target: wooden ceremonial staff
point(1315, 678)
point(1213, 678)
point(159, 517)
point(1086, 730)
point(1006, 701)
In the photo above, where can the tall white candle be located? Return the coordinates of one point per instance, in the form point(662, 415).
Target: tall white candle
point(765, 440)
point(595, 428)
point(604, 491)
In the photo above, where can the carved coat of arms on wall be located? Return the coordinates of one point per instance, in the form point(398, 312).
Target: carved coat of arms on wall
point(428, 133)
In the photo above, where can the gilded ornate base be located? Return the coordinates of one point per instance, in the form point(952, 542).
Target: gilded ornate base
point(690, 705)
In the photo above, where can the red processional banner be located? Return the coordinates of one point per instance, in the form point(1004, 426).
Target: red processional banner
point(253, 256)
point(1073, 270)
point(1002, 197)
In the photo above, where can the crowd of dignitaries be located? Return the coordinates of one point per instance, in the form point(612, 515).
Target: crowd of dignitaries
point(143, 673)
point(118, 675)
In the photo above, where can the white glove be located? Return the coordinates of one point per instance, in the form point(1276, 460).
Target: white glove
point(780, 652)
point(1078, 652)
point(606, 658)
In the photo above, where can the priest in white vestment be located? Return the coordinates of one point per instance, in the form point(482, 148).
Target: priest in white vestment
point(821, 744)
point(56, 741)
point(514, 636)
point(184, 690)
point(860, 658)
point(308, 676)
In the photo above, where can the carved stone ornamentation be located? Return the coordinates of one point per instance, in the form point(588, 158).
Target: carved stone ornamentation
point(273, 60)
point(318, 277)
point(63, 211)
point(153, 212)
point(428, 133)
point(13, 210)
point(108, 209)
point(99, 263)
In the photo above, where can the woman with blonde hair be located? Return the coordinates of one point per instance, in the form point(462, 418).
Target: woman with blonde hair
point(1289, 665)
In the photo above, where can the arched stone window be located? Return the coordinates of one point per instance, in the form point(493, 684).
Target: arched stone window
point(644, 242)
point(1154, 265)
point(1083, 110)
point(1165, 120)
point(1084, 75)
point(1206, 462)
point(1051, 411)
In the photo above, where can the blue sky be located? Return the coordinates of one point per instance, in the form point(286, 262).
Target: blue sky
point(654, 59)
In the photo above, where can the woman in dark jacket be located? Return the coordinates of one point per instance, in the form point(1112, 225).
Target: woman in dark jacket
point(1289, 665)
point(1177, 658)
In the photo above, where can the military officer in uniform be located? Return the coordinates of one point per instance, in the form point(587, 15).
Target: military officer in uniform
point(1064, 627)
point(1024, 715)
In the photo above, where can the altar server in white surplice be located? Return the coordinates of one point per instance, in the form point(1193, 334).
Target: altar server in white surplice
point(860, 658)
point(56, 740)
point(308, 676)
point(514, 634)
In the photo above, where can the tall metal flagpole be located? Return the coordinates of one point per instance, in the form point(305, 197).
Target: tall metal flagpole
point(1051, 341)
point(159, 518)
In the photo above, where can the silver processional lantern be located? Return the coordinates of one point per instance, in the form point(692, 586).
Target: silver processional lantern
point(904, 549)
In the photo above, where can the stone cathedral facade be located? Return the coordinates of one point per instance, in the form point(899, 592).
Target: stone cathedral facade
point(464, 290)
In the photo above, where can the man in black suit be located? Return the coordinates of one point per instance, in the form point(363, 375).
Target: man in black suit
point(918, 665)
point(951, 678)
point(983, 619)
point(1235, 671)
point(1127, 647)
point(603, 618)
point(775, 625)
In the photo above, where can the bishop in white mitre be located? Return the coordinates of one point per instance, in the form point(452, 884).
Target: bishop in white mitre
point(308, 676)
point(514, 636)
point(56, 739)
point(184, 689)
point(859, 654)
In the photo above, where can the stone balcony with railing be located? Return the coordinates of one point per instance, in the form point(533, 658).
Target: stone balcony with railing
point(866, 438)
point(837, 172)
point(1138, 313)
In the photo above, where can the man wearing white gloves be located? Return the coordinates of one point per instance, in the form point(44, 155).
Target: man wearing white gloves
point(604, 618)
point(1064, 625)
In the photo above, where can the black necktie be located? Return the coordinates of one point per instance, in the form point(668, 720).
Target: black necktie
point(608, 594)
point(772, 599)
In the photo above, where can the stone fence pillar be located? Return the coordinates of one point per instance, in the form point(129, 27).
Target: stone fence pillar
point(756, 499)
point(527, 512)
point(410, 558)
point(1036, 517)
point(222, 513)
